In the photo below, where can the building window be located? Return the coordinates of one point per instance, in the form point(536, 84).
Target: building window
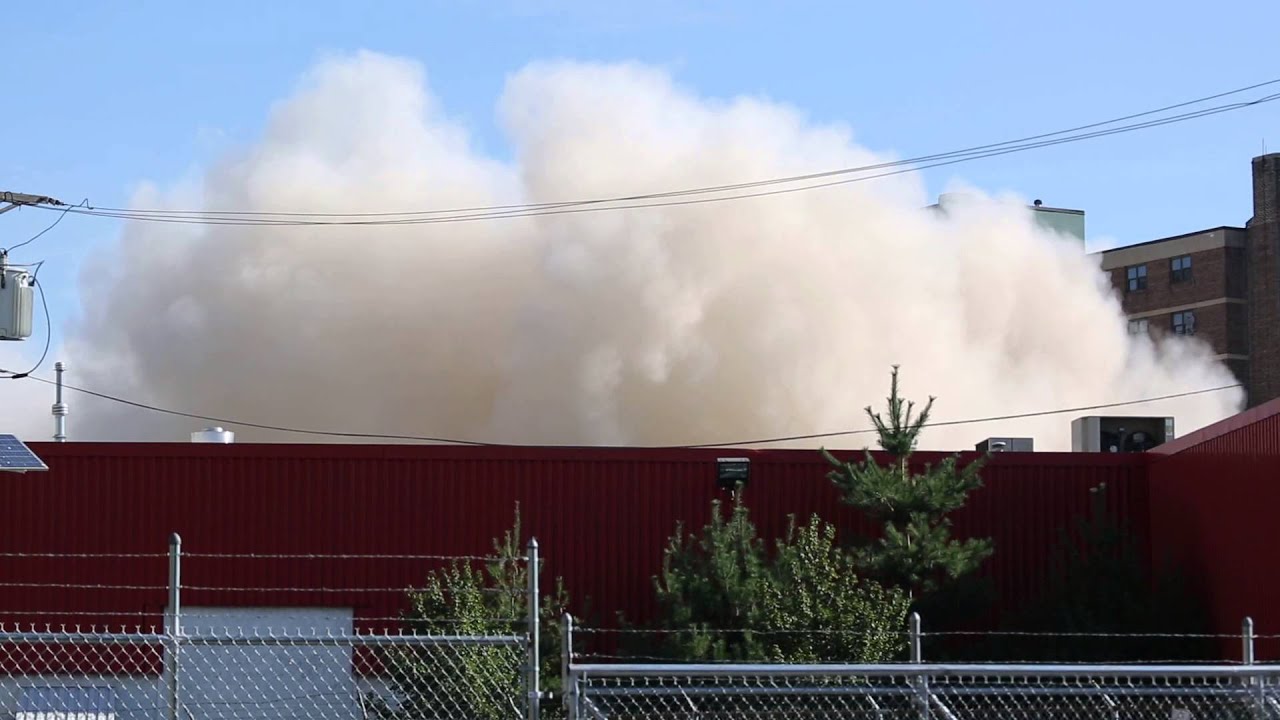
point(1180, 268)
point(1137, 278)
point(1138, 327)
point(1184, 323)
point(66, 703)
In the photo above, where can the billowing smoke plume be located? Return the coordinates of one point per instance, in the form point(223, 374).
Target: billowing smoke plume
point(694, 324)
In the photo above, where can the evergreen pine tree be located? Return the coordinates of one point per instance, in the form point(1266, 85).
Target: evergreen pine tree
point(915, 551)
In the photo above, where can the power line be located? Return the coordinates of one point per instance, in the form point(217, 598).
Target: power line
point(704, 188)
point(16, 200)
point(578, 208)
point(478, 443)
point(258, 426)
point(44, 302)
point(521, 210)
point(51, 205)
point(974, 421)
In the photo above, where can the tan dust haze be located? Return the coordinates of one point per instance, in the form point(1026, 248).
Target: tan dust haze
point(694, 324)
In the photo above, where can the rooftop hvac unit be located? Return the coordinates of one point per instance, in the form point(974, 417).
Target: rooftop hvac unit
point(17, 300)
point(1006, 444)
point(1114, 434)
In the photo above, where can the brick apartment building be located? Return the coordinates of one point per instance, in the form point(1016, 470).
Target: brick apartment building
point(1220, 284)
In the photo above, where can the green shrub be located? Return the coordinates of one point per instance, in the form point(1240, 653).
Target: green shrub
point(723, 597)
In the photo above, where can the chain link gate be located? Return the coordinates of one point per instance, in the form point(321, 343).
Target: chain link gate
point(133, 676)
point(239, 673)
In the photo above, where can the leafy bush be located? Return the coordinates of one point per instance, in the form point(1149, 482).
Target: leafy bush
point(473, 599)
point(724, 597)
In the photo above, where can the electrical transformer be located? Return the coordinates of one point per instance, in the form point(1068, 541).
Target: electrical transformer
point(17, 300)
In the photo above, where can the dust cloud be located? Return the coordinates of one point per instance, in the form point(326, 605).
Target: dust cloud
point(693, 324)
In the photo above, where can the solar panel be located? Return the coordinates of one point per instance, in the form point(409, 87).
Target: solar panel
point(15, 456)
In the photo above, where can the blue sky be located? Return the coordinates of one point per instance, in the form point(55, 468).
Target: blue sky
point(106, 95)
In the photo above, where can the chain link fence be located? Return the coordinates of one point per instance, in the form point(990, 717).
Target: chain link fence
point(628, 686)
point(144, 676)
point(305, 641)
point(234, 660)
point(922, 692)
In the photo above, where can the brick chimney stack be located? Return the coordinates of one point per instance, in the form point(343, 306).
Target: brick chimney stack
point(1263, 247)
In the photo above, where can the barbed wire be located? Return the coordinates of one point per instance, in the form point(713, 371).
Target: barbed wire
point(670, 631)
point(738, 631)
point(357, 620)
point(353, 590)
point(79, 586)
point(139, 634)
point(77, 555)
point(265, 556)
point(128, 634)
point(904, 633)
point(81, 613)
point(1076, 634)
point(627, 657)
point(350, 556)
point(232, 589)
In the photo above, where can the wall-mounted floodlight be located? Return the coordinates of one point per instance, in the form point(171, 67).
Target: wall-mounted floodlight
point(732, 473)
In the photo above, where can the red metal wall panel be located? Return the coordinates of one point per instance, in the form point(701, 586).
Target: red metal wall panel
point(1252, 433)
point(602, 517)
point(1259, 439)
point(1214, 502)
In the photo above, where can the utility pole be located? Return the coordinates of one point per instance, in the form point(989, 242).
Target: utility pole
point(13, 200)
point(10, 200)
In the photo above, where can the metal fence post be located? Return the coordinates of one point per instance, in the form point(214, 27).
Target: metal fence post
point(917, 657)
point(533, 656)
point(175, 625)
point(917, 650)
point(1247, 658)
point(1246, 638)
point(568, 683)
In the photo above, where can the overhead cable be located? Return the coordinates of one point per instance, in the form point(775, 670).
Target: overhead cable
point(915, 164)
point(735, 443)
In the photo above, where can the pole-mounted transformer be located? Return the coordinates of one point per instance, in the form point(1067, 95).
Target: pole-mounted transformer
point(17, 301)
point(17, 286)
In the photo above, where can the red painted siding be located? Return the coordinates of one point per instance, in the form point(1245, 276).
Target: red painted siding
point(1253, 433)
point(601, 515)
point(1215, 495)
